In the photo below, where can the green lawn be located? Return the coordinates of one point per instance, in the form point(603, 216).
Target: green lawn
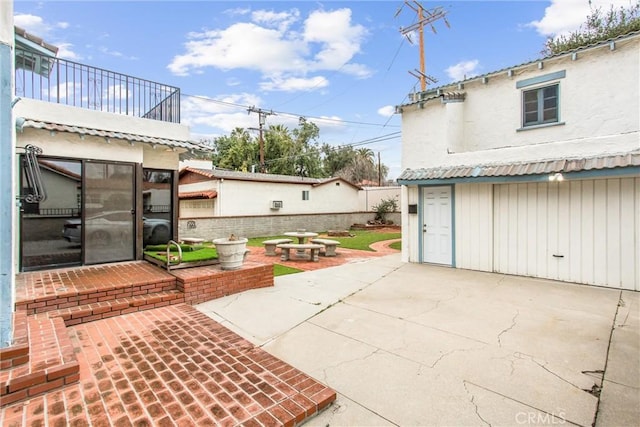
point(281, 270)
point(201, 254)
point(361, 240)
point(396, 245)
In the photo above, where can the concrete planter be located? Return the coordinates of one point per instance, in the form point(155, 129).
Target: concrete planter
point(231, 252)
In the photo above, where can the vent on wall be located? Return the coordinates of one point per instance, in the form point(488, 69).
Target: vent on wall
point(276, 204)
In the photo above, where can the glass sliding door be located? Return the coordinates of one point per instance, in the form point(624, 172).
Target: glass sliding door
point(108, 228)
point(157, 195)
point(50, 231)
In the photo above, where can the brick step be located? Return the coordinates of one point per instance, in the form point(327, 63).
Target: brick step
point(115, 307)
point(64, 297)
point(47, 360)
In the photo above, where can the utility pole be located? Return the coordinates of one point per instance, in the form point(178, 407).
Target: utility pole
point(262, 114)
point(424, 17)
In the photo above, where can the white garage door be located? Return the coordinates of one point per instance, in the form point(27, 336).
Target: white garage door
point(578, 231)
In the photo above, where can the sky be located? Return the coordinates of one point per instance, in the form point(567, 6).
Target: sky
point(343, 65)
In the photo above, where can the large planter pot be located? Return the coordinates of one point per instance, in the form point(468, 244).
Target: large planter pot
point(230, 252)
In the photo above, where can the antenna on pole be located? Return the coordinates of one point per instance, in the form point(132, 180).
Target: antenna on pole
point(262, 114)
point(424, 17)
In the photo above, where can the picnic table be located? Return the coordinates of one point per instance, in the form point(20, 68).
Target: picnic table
point(302, 236)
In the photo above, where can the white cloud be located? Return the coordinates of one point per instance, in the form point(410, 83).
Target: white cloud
point(32, 24)
point(65, 51)
point(278, 44)
point(38, 27)
point(280, 20)
point(225, 112)
point(463, 70)
point(294, 84)
point(565, 16)
point(387, 111)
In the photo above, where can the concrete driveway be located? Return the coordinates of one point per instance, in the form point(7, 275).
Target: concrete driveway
point(407, 344)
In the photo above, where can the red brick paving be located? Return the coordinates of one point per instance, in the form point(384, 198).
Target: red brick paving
point(172, 366)
point(343, 256)
point(166, 366)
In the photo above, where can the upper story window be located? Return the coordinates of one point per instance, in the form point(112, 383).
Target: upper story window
point(305, 194)
point(540, 106)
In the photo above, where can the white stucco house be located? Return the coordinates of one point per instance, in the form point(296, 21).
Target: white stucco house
point(532, 170)
point(219, 193)
point(96, 153)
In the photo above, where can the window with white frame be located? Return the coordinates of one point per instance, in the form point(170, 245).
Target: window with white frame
point(305, 194)
point(540, 106)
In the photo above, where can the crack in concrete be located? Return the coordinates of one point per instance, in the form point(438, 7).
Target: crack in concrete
point(559, 417)
point(305, 301)
point(473, 402)
point(231, 301)
point(504, 331)
point(325, 376)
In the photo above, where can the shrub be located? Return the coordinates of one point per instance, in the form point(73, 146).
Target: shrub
point(385, 207)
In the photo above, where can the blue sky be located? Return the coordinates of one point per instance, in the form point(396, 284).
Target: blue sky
point(342, 65)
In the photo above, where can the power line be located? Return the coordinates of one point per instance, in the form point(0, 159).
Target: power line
point(284, 113)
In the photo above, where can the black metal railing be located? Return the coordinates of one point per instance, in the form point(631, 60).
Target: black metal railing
point(60, 81)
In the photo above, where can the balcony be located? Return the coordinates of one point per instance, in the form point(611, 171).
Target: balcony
point(51, 79)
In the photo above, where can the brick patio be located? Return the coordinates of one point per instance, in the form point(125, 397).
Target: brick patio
point(119, 344)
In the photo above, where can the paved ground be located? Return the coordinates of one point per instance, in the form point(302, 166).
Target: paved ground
point(406, 344)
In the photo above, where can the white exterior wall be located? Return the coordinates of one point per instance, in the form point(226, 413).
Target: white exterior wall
point(474, 226)
point(67, 144)
point(82, 117)
point(410, 241)
point(254, 198)
point(592, 226)
point(369, 197)
point(599, 106)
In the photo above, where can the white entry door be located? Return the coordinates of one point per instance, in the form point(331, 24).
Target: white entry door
point(436, 226)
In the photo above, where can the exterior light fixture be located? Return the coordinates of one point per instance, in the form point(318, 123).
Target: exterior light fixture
point(556, 177)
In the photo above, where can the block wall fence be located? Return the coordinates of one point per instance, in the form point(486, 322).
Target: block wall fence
point(271, 225)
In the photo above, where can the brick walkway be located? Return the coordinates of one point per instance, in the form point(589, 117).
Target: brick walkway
point(172, 366)
point(169, 365)
point(343, 256)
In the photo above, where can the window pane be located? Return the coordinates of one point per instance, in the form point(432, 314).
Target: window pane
point(540, 105)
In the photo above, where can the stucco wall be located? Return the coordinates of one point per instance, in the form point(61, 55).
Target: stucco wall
point(369, 197)
point(599, 110)
point(256, 226)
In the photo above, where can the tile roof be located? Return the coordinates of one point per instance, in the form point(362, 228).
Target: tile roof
point(22, 123)
point(523, 168)
point(261, 177)
point(443, 90)
point(198, 194)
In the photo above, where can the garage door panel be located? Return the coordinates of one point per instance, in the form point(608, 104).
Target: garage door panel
point(579, 231)
point(575, 232)
point(599, 233)
point(584, 266)
point(628, 240)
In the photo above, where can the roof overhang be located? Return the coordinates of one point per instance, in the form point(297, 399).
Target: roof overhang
point(23, 123)
point(190, 195)
point(543, 170)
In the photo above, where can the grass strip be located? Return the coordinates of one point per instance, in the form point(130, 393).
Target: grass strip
point(203, 254)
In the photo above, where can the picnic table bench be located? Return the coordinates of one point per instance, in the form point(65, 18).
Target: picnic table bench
point(328, 245)
point(270, 245)
point(314, 250)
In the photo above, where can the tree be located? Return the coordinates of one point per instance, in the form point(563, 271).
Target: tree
point(599, 26)
point(237, 151)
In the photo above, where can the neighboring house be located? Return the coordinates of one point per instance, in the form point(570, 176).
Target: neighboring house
point(216, 193)
point(532, 170)
point(92, 145)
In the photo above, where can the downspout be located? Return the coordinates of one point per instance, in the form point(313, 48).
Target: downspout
point(7, 176)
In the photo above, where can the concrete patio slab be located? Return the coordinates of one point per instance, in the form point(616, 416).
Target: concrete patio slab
point(410, 344)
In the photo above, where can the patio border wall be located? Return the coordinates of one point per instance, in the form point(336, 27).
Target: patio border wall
point(272, 225)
